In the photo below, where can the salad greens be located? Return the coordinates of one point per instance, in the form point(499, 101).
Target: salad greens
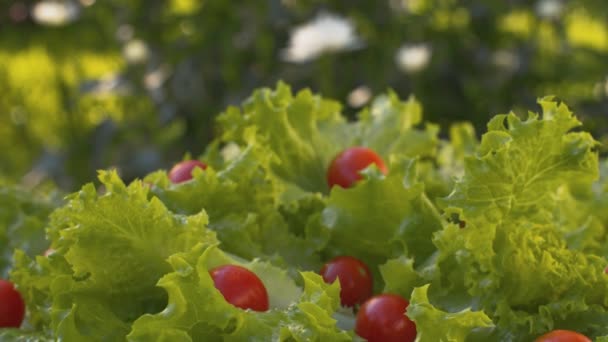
point(502, 238)
point(23, 216)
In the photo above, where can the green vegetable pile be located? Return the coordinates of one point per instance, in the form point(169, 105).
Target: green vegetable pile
point(502, 239)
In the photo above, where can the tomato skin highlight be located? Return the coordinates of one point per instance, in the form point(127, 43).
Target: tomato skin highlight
point(12, 307)
point(563, 336)
point(182, 172)
point(382, 319)
point(345, 167)
point(356, 282)
point(240, 287)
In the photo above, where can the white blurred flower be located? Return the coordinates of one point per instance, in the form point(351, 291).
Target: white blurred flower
point(549, 9)
point(359, 96)
point(135, 51)
point(55, 13)
point(230, 151)
point(107, 84)
point(325, 33)
point(506, 59)
point(154, 79)
point(124, 33)
point(413, 57)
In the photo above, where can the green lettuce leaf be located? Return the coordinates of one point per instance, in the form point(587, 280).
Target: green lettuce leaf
point(400, 277)
point(23, 217)
point(518, 167)
point(242, 201)
point(439, 175)
point(19, 335)
point(581, 214)
point(305, 132)
point(197, 311)
point(382, 217)
point(434, 325)
point(111, 250)
point(506, 253)
point(522, 276)
point(390, 126)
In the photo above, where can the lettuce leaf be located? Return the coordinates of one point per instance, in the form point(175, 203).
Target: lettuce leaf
point(517, 249)
point(18, 335)
point(111, 250)
point(522, 276)
point(196, 311)
point(23, 217)
point(242, 201)
point(581, 215)
point(518, 167)
point(506, 253)
point(305, 132)
point(433, 324)
point(382, 217)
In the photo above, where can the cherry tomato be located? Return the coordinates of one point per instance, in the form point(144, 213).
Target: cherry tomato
point(344, 169)
point(12, 307)
point(355, 279)
point(241, 287)
point(382, 319)
point(563, 336)
point(182, 172)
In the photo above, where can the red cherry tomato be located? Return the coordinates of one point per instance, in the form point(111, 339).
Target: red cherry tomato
point(12, 307)
point(382, 319)
point(563, 336)
point(182, 172)
point(355, 279)
point(241, 287)
point(344, 169)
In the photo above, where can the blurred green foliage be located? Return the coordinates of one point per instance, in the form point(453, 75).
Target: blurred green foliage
point(135, 84)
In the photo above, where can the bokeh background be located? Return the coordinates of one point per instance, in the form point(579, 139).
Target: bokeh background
point(135, 84)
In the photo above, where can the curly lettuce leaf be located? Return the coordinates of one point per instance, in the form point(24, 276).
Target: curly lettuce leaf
point(305, 132)
point(23, 217)
point(111, 250)
point(390, 126)
point(507, 253)
point(381, 217)
point(197, 311)
point(581, 214)
point(19, 335)
point(439, 176)
point(523, 277)
point(434, 325)
point(400, 277)
point(518, 167)
point(242, 201)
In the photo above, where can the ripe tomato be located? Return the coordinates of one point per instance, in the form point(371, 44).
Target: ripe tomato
point(182, 172)
point(12, 307)
point(241, 287)
point(344, 169)
point(355, 279)
point(382, 319)
point(563, 336)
